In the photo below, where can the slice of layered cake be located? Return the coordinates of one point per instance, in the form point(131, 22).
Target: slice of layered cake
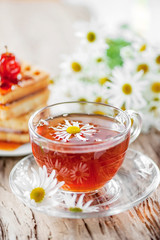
point(23, 90)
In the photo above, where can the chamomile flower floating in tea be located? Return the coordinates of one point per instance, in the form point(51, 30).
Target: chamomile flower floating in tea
point(64, 131)
point(76, 203)
point(38, 189)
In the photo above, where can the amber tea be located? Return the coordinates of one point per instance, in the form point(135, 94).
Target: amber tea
point(78, 150)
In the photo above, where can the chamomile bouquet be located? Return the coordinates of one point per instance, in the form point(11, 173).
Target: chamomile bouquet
point(118, 68)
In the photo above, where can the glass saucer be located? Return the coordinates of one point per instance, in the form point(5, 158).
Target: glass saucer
point(137, 178)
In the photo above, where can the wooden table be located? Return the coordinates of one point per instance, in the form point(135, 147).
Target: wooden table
point(141, 222)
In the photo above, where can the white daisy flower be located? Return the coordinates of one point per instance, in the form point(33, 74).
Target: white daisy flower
point(64, 131)
point(141, 46)
point(72, 89)
point(151, 114)
point(136, 49)
point(155, 59)
point(153, 108)
point(38, 189)
point(94, 92)
point(100, 57)
point(98, 71)
point(150, 119)
point(146, 59)
point(126, 88)
point(143, 64)
point(91, 34)
point(74, 65)
point(76, 204)
point(99, 91)
point(152, 90)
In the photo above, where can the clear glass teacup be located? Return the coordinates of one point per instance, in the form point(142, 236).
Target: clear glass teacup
point(85, 142)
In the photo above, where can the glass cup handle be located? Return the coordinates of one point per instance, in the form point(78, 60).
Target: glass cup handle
point(136, 124)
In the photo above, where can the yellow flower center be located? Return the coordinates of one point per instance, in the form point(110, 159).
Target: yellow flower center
point(143, 48)
point(51, 81)
point(156, 99)
point(82, 99)
point(99, 112)
point(99, 59)
point(103, 80)
point(144, 67)
point(153, 108)
point(76, 67)
point(127, 88)
point(155, 87)
point(98, 99)
point(75, 209)
point(73, 130)
point(158, 59)
point(37, 194)
point(91, 37)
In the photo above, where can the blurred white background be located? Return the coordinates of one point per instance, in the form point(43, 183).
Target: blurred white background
point(40, 31)
point(142, 15)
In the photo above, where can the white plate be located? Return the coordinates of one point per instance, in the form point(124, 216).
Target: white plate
point(23, 150)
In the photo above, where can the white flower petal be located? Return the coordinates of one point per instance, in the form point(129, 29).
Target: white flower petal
point(80, 201)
